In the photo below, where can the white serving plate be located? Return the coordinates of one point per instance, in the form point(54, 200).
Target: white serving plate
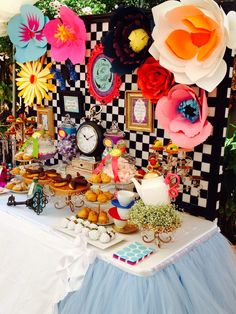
point(118, 238)
point(18, 192)
point(4, 190)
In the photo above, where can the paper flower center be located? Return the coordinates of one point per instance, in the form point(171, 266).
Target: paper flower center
point(200, 38)
point(33, 79)
point(138, 39)
point(64, 33)
point(189, 110)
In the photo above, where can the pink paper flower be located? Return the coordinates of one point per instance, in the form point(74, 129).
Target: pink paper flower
point(184, 116)
point(67, 37)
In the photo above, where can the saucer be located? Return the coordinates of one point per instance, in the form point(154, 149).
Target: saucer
point(116, 203)
point(126, 229)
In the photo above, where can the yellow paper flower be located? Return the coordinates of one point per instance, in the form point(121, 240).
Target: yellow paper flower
point(33, 81)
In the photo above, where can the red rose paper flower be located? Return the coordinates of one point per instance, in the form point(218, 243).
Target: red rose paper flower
point(154, 80)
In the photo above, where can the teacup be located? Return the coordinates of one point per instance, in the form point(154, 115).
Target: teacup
point(120, 223)
point(125, 197)
point(123, 212)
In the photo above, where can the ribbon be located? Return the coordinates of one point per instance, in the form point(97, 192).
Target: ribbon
point(102, 164)
point(114, 164)
point(173, 192)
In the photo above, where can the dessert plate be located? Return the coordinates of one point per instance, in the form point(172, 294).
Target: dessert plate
point(3, 190)
point(18, 192)
point(118, 238)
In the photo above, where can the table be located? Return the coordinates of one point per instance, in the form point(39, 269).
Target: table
point(38, 267)
point(193, 274)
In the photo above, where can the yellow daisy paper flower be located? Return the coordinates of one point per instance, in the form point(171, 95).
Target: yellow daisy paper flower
point(33, 81)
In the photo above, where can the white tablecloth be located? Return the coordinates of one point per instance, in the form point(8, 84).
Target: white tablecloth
point(39, 266)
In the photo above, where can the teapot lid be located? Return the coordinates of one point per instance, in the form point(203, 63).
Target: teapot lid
point(152, 175)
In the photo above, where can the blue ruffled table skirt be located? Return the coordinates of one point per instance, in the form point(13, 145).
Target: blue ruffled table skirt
point(203, 281)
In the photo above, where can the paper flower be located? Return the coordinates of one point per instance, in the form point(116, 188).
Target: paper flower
point(154, 80)
point(32, 82)
point(190, 38)
point(128, 40)
point(26, 33)
point(67, 37)
point(10, 8)
point(184, 116)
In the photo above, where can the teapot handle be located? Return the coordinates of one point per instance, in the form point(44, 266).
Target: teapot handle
point(173, 192)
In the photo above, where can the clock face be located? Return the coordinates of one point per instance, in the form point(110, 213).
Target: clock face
point(87, 139)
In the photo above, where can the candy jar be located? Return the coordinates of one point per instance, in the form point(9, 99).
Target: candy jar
point(67, 138)
point(114, 137)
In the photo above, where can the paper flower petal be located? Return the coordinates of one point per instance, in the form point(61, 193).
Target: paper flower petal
point(231, 16)
point(187, 128)
point(23, 55)
point(191, 142)
point(49, 32)
point(67, 37)
point(32, 17)
point(26, 33)
point(190, 38)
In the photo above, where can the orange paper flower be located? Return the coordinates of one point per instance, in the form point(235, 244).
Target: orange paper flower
point(190, 39)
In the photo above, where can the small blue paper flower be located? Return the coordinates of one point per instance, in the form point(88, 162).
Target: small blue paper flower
point(26, 33)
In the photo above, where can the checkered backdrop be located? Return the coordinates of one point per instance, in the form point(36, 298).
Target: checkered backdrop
point(207, 158)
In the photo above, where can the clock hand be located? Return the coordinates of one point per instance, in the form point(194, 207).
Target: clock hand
point(90, 137)
point(85, 136)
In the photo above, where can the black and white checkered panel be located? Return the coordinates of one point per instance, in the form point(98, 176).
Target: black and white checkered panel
point(207, 158)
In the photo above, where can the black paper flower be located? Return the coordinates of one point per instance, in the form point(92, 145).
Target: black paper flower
point(128, 40)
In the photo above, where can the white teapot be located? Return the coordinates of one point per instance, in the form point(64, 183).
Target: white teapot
point(156, 190)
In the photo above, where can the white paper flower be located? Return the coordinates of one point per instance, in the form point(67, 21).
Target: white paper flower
point(190, 38)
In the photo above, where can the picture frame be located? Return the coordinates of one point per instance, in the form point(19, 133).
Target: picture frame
point(139, 112)
point(72, 103)
point(103, 84)
point(45, 118)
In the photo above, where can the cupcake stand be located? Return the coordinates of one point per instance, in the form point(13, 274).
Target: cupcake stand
point(71, 198)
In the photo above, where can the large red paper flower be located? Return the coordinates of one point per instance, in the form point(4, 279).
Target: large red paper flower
point(184, 116)
point(67, 37)
point(154, 80)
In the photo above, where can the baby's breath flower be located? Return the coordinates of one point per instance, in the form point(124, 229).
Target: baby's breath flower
point(162, 218)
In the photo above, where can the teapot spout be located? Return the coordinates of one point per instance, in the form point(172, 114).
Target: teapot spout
point(137, 186)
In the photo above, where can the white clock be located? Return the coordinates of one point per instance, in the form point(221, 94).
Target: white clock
point(90, 138)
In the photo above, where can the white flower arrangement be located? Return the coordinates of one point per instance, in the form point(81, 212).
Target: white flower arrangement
point(161, 219)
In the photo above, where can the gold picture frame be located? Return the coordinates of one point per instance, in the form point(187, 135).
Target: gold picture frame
point(45, 119)
point(139, 112)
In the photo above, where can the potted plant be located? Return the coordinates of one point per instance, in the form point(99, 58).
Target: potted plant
point(160, 220)
point(227, 211)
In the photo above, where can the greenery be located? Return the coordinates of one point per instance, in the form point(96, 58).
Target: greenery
point(162, 218)
point(5, 93)
point(84, 7)
point(227, 212)
point(6, 48)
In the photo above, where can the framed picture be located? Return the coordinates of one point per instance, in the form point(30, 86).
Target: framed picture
point(139, 112)
point(72, 103)
point(103, 84)
point(45, 119)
